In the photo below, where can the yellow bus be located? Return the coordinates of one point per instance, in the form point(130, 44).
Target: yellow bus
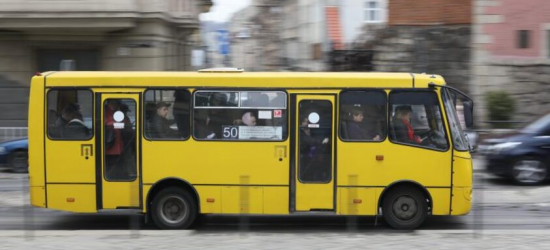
point(177, 145)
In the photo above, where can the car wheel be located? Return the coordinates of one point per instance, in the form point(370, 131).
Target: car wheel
point(529, 171)
point(405, 208)
point(19, 162)
point(174, 208)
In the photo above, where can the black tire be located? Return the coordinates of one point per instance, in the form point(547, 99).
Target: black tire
point(174, 208)
point(405, 208)
point(19, 162)
point(529, 171)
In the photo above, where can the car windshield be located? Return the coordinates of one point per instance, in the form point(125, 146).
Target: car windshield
point(537, 125)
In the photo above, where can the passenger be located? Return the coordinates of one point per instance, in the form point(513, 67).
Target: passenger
point(355, 132)
point(75, 128)
point(216, 118)
point(404, 132)
point(114, 143)
point(161, 125)
point(249, 119)
point(181, 112)
point(62, 120)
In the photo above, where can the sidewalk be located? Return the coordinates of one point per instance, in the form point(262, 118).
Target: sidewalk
point(439, 239)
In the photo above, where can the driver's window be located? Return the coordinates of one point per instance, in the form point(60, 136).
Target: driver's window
point(415, 119)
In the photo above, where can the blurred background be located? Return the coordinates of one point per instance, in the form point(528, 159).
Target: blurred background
point(496, 51)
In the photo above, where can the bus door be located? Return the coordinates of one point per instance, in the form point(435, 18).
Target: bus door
point(119, 146)
point(314, 155)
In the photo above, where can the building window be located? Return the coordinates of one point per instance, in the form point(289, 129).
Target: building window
point(524, 39)
point(240, 115)
point(373, 11)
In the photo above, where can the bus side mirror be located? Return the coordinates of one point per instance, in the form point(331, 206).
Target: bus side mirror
point(468, 114)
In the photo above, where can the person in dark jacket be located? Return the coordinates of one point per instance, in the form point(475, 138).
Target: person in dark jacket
point(355, 132)
point(161, 125)
point(75, 128)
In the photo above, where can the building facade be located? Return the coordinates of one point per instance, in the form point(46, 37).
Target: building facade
point(38, 36)
point(511, 52)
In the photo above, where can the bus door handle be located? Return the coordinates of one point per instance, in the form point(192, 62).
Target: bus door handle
point(86, 150)
point(280, 152)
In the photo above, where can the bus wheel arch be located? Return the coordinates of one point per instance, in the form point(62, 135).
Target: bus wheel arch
point(403, 192)
point(171, 183)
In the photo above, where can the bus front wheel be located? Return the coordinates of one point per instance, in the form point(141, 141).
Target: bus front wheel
point(405, 208)
point(173, 208)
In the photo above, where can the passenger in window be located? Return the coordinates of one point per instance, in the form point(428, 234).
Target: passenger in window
point(65, 117)
point(216, 117)
point(249, 119)
point(161, 124)
point(75, 128)
point(404, 132)
point(355, 130)
point(114, 143)
point(181, 112)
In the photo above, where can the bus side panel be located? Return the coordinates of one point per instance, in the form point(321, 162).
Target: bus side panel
point(36, 143)
point(440, 200)
point(463, 170)
point(72, 197)
point(276, 200)
point(210, 198)
point(242, 200)
point(357, 201)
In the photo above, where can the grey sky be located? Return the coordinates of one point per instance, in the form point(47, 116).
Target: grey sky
point(223, 10)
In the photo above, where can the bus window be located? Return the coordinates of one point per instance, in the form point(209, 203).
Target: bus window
point(167, 115)
point(244, 115)
point(70, 114)
point(416, 119)
point(363, 115)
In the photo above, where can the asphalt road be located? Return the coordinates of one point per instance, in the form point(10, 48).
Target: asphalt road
point(498, 204)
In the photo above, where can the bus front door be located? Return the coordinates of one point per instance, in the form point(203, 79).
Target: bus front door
point(314, 161)
point(119, 168)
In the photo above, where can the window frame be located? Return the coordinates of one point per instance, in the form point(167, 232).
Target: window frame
point(523, 39)
point(286, 135)
point(386, 102)
point(367, 9)
point(445, 94)
point(46, 108)
point(333, 145)
point(443, 119)
point(142, 118)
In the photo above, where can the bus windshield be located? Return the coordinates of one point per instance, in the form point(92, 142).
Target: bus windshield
point(451, 107)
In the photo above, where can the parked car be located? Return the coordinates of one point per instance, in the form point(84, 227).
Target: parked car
point(13, 155)
point(523, 157)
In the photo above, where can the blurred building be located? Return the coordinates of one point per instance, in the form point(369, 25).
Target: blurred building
point(246, 51)
point(314, 28)
point(511, 41)
point(89, 35)
point(211, 32)
point(426, 36)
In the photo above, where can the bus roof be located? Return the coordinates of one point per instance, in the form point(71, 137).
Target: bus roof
point(241, 80)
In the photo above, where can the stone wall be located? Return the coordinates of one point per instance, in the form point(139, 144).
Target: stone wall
point(528, 84)
point(442, 50)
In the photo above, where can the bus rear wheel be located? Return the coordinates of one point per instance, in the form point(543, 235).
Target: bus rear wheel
point(173, 208)
point(405, 208)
